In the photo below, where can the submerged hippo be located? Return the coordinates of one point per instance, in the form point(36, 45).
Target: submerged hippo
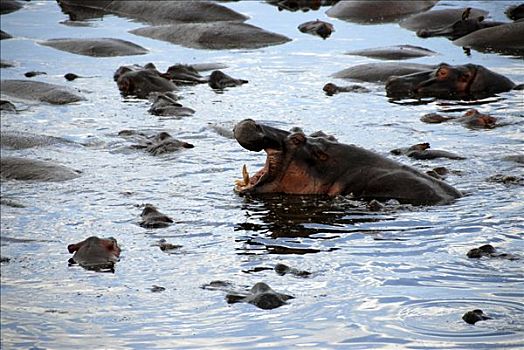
point(331, 89)
point(422, 151)
point(472, 119)
point(318, 27)
point(398, 52)
point(95, 253)
point(303, 5)
point(506, 39)
point(163, 12)
point(318, 164)
point(474, 316)
point(21, 140)
point(4, 35)
point(34, 170)
point(152, 218)
point(465, 25)
point(96, 47)
point(435, 19)
point(515, 12)
point(487, 250)
point(141, 81)
point(262, 296)
point(39, 91)
point(8, 6)
point(469, 81)
point(165, 104)
point(381, 72)
point(214, 35)
point(155, 144)
point(377, 11)
point(219, 80)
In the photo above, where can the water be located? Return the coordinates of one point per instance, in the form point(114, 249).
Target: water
point(394, 279)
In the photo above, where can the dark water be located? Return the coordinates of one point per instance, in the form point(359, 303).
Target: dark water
point(395, 279)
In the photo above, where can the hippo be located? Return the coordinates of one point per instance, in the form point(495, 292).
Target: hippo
point(96, 47)
point(377, 11)
point(468, 81)
point(219, 80)
point(262, 296)
point(422, 151)
point(141, 81)
point(398, 52)
point(303, 5)
point(39, 91)
point(320, 165)
point(487, 250)
point(158, 144)
point(165, 104)
point(163, 12)
point(318, 27)
point(465, 25)
point(4, 35)
point(505, 38)
point(7, 64)
point(183, 74)
point(331, 89)
point(152, 218)
point(8, 6)
point(166, 246)
point(7, 106)
point(33, 73)
point(507, 179)
point(381, 72)
point(213, 36)
point(517, 158)
point(16, 168)
point(435, 19)
point(21, 140)
point(472, 119)
point(95, 253)
point(515, 12)
point(474, 316)
point(282, 270)
point(438, 172)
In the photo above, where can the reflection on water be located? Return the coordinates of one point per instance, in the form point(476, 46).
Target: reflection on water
point(395, 278)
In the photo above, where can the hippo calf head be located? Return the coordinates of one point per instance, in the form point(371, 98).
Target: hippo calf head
point(95, 253)
point(467, 81)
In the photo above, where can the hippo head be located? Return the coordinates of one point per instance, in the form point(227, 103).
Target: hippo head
point(95, 253)
point(296, 164)
point(462, 27)
point(467, 81)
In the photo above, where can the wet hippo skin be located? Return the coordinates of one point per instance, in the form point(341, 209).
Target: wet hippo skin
point(318, 164)
point(95, 253)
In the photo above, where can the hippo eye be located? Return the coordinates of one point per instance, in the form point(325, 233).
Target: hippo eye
point(442, 73)
point(320, 155)
point(464, 78)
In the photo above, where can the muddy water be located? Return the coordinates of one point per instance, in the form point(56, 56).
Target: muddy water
point(395, 279)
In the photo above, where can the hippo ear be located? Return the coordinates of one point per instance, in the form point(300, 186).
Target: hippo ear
point(465, 14)
point(72, 248)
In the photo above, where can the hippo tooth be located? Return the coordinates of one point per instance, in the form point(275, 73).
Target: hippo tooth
point(245, 178)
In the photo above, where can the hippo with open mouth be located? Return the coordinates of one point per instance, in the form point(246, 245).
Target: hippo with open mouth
point(319, 164)
point(468, 81)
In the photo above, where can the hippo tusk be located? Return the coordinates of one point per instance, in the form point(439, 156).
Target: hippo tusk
point(245, 178)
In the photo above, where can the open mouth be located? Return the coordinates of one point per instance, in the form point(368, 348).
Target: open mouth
point(262, 176)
